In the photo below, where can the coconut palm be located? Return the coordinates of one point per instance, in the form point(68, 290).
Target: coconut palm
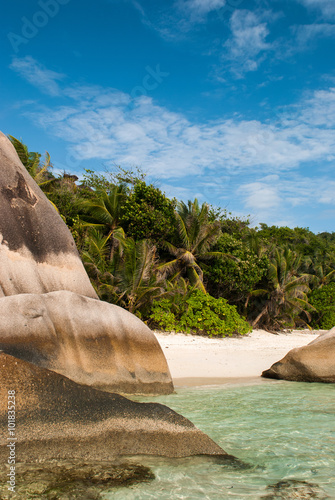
point(322, 265)
point(138, 280)
point(285, 298)
point(256, 244)
point(39, 170)
point(196, 236)
point(98, 265)
point(103, 212)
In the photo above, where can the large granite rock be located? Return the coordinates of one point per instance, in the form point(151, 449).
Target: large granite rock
point(314, 362)
point(59, 419)
point(49, 316)
point(89, 341)
point(37, 251)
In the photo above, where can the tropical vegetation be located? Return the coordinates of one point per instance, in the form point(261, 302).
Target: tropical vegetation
point(189, 266)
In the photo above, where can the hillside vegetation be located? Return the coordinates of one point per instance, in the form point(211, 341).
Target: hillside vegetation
point(187, 266)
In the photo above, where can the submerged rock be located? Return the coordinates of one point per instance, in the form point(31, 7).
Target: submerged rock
point(60, 419)
point(314, 362)
point(293, 489)
point(70, 480)
point(37, 251)
point(89, 341)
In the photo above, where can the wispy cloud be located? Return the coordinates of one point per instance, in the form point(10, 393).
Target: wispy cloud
point(261, 195)
point(259, 162)
point(177, 20)
point(273, 199)
point(247, 46)
point(304, 34)
point(325, 7)
point(36, 74)
point(108, 124)
point(197, 10)
point(316, 111)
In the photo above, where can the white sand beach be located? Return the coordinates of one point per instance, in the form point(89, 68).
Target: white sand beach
point(195, 360)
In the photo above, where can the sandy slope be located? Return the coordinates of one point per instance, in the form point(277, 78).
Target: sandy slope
point(195, 360)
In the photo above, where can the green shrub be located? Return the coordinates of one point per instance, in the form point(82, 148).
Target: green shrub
point(148, 214)
point(234, 278)
point(199, 313)
point(323, 299)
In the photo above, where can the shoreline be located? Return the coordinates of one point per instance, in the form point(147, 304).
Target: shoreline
point(199, 361)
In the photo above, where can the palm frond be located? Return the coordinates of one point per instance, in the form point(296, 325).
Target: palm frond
point(182, 229)
point(195, 279)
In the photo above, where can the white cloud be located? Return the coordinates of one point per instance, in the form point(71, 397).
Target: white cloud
point(316, 111)
point(176, 20)
point(274, 199)
point(198, 9)
point(108, 125)
point(36, 74)
point(306, 33)
point(326, 7)
point(247, 46)
point(260, 163)
point(260, 196)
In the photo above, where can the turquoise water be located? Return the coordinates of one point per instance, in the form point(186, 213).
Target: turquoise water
point(283, 430)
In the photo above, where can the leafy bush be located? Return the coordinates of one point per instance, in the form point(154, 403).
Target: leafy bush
point(148, 214)
point(234, 278)
point(198, 313)
point(323, 299)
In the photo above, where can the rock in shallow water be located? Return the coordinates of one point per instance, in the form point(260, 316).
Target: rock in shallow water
point(72, 480)
point(293, 489)
point(89, 341)
point(312, 363)
point(59, 419)
point(70, 332)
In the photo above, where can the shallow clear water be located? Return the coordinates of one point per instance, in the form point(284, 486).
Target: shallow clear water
point(284, 430)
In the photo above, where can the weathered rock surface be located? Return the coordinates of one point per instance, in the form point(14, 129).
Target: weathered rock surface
point(49, 316)
point(59, 419)
point(71, 480)
point(293, 489)
point(89, 341)
point(37, 251)
point(314, 362)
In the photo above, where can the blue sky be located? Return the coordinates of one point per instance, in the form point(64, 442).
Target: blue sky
point(229, 101)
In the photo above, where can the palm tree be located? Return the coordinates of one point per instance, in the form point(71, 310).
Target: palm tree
point(101, 270)
point(196, 236)
point(322, 266)
point(103, 211)
point(138, 280)
point(255, 243)
point(32, 161)
point(286, 295)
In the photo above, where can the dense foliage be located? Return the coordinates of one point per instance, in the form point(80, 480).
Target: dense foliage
point(148, 214)
point(234, 278)
point(186, 266)
point(323, 299)
point(198, 313)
